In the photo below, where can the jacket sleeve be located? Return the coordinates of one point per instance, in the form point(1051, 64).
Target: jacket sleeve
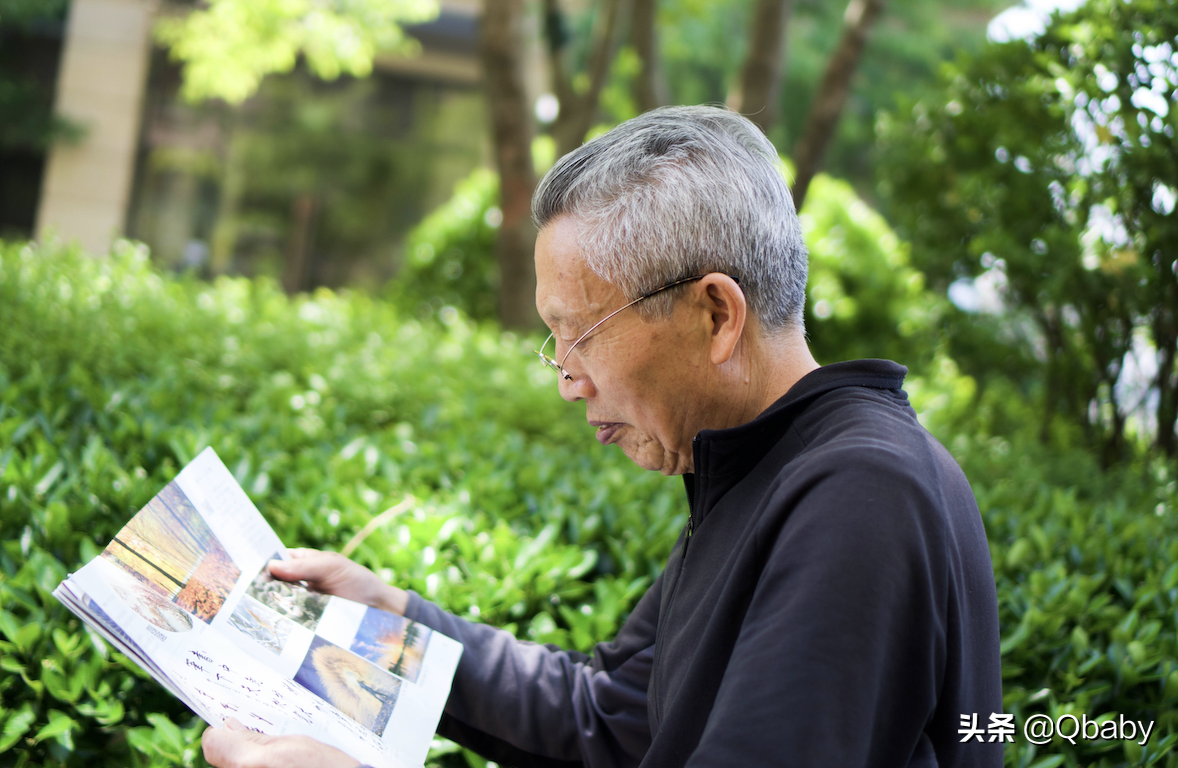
point(523, 704)
point(840, 654)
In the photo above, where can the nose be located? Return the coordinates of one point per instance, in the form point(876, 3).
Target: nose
point(580, 387)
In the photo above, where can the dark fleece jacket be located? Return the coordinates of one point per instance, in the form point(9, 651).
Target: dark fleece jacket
point(830, 603)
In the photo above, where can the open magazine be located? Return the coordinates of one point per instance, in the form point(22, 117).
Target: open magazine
point(184, 591)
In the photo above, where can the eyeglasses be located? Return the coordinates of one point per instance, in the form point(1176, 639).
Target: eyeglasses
point(559, 367)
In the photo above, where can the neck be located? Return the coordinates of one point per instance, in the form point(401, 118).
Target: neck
point(765, 370)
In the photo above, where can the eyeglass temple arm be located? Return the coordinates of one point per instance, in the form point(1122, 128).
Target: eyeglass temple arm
point(616, 311)
point(591, 330)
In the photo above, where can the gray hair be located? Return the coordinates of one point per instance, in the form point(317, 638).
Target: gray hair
point(683, 191)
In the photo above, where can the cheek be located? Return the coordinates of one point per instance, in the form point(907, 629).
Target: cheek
point(642, 379)
point(642, 393)
point(655, 411)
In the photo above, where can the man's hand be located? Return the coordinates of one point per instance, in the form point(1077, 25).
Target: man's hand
point(333, 574)
point(235, 746)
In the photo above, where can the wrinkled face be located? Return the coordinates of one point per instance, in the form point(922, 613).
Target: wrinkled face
point(642, 381)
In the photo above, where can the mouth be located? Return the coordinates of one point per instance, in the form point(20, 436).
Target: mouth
point(606, 431)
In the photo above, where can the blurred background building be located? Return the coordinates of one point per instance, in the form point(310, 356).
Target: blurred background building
point(312, 182)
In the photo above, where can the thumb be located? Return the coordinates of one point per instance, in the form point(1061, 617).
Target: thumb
point(220, 745)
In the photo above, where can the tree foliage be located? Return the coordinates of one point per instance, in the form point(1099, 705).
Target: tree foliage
point(449, 257)
point(704, 44)
point(1050, 166)
point(864, 299)
point(367, 182)
point(228, 46)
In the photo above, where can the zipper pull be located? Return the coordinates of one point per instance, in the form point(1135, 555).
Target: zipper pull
point(690, 528)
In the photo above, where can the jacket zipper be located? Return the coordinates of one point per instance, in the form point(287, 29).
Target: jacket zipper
point(675, 590)
point(695, 448)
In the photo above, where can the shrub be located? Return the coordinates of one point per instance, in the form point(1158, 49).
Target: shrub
point(863, 297)
point(333, 407)
point(328, 409)
point(450, 255)
point(1086, 563)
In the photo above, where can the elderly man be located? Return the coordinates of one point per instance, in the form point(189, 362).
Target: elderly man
point(830, 601)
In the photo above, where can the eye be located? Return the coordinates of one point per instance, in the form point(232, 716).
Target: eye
point(586, 345)
point(568, 333)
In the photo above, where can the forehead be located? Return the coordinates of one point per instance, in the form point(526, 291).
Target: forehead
point(567, 291)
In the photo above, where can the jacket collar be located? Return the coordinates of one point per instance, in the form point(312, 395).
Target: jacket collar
point(723, 457)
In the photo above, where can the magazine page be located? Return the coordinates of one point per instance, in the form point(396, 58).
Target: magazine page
point(187, 576)
point(212, 676)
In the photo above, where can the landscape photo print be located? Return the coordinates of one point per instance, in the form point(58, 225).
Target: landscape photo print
point(264, 626)
point(392, 642)
point(354, 686)
point(292, 600)
point(169, 548)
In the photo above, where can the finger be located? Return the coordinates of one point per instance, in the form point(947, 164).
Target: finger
point(233, 724)
point(298, 552)
point(220, 744)
point(313, 567)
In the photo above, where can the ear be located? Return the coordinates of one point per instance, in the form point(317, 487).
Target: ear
point(728, 314)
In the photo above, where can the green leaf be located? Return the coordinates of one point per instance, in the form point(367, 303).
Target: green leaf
point(142, 739)
point(1048, 762)
point(22, 431)
point(16, 726)
point(58, 725)
point(66, 642)
point(62, 687)
point(49, 478)
point(474, 760)
point(27, 635)
point(9, 625)
point(5, 457)
point(1156, 751)
point(1016, 638)
point(588, 561)
point(167, 731)
point(229, 46)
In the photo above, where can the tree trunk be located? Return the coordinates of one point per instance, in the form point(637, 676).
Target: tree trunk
point(577, 110)
point(556, 34)
point(760, 80)
point(299, 273)
point(502, 44)
point(224, 237)
point(1113, 437)
point(650, 90)
point(1165, 337)
point(832, 93)
point(1048, 322)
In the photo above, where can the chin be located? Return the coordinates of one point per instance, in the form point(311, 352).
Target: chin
point(678, 469)
point(653, 461)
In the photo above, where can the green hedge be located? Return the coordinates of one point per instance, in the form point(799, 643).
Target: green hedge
point(331, 408)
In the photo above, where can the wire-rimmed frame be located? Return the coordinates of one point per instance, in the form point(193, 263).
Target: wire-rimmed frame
point(559, 367)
